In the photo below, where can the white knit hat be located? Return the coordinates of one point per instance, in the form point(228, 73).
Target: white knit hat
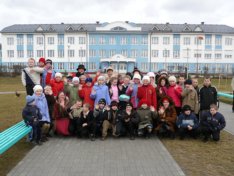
point(137, 76)
point(75, 79)
point(146, 78)
point(101, 78)
point(58, 75)
point(37, 87)
point(151, 74)
point(172, 78)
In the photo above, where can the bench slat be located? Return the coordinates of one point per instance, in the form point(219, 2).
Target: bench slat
point(12, 128)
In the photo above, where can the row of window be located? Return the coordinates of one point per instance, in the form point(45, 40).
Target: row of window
point(50, 40)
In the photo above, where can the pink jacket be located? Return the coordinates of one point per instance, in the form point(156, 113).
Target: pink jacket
point(175, 93)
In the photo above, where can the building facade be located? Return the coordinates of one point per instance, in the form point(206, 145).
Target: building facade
point(151, 47)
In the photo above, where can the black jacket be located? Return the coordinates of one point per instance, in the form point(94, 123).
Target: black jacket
point(208, 96)
point(88, 119)
point(214, 123)
point(31, 113)
point(134, 117)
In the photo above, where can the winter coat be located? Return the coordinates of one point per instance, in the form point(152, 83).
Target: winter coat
point(148, 92)
point(162, 88)
point(146, 117)
point(72, 92)
point(50, 102)
point(133, 116)
point(208, 96)
point(175, 93)
point(190, 97)
point(113, 116)
point(31, 113)
point(31, 76)
point(60, 112)
point(44, 75)
point(100, 115)
point(184, 120)
point(89, 119)
point(214, 123)
point(101, 92)
point(133, 93)
point(41, 103)
point(84, 94)
point(56, 86)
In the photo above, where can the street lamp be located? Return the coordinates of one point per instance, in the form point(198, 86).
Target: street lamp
point(198, 38)
point(68, 58)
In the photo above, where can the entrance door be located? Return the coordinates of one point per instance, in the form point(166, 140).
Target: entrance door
point(122, 67)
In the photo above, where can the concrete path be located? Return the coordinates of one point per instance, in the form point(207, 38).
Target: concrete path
point(113, 157)
point(12, 92)
point(226, 110)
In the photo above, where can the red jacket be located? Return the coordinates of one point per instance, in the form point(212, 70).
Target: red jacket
point(175, 93)
point(84, 93)
point(148, 92)
point(56, 86)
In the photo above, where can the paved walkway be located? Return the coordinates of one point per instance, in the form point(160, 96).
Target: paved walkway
point(226, 110)
point(113, 157)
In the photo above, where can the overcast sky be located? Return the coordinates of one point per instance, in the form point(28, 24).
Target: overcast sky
point(139, 11)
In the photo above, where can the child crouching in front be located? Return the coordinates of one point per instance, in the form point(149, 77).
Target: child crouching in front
point(31, 115)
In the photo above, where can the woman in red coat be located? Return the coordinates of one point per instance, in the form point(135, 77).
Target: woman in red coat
point(174, 92)
point(61, 115)
point(147, 91)
point(56, 84)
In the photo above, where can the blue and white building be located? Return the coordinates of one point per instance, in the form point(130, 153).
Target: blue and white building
point(123, 45)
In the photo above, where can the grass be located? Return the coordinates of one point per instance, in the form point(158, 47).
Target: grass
point(197, 158)
point(8, 84)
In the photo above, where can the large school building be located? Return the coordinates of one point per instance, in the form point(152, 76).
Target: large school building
point(123, 45)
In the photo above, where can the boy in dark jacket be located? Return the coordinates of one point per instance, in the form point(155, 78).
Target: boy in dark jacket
point(212, 123)
point(187, 123)
point(31, 115)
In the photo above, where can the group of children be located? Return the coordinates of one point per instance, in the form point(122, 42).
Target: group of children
point(118, 105)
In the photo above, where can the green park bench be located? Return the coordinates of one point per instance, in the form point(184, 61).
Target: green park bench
point(12, 135)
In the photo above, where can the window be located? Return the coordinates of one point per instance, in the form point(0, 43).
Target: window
point(81, 40)
point(176, 54)
point(166, 53)
point(71, 53)
point(154, 40)
point(40, 53)
point(60, 40)
point(102, 53)
point(30, 53)
point(208, 56)
point(186, 40)
point(102, 40)
point(20, 53)
point(10, 53)
point(166, 40)
point(61, 66)
point(92, 41)
point(92, 66)
point(71, 66)
point(197, 41)
point(123, 40)
point(39, 40)
point(218, 41)
point(81, 53)
point(50, 40)
point(197, 55)
point(228, 56)
point(154, 53)
point(112, 41)
point(112, 53)
point(133, 53)
point(60, 53)
point(124, 52)
point(71, 40)
point(218, 55)
point(144, 66)
point(208, 41)
point(50, 53)
point(134, 40)
point(144, 40)
point(228, 41)
point(20, 41)
point(154, 66)
point(144, 53)
point(92, 53)
point(10, 41)
point(176, 41)
point(29, 40)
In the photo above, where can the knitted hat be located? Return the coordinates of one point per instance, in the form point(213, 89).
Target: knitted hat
point(49, 61)
point(146, 78)
point(58, 75)
point(89, 79)
point(186, 108)
point(75, 79)
point(129, 104)
point(143, 101)
point(172, 78)
point(165, 99)
point(42, 60)
point(37, 87)
point(137, 76)
point(114, 103)
point(109, 68)
point(81, 66)
point(163, 72)
point(102, 101)
point(188, 81)
point(151, 74)
point(30, 99)
point(101, 78)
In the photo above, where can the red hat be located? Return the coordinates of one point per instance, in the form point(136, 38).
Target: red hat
point(165, 99)
point(143, 101)
point(42, 59)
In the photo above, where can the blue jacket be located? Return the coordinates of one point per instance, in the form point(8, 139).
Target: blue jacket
point(214, 123)
point(43, 78)
point(102, 91)
point(184, 120)
point(41, 103)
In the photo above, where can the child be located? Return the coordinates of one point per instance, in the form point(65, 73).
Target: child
point(162, 87)
point(187, 123)
point(123, 97)
point(56, 83)
point(86, 125)
point(48, 69)
point(147, 115)
point(41, 103)
point(152, 78)
point(31, 115)
point(212, 123)
point(31, 76)
point(114, 90)
point(85, 91)
point(99, 91)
